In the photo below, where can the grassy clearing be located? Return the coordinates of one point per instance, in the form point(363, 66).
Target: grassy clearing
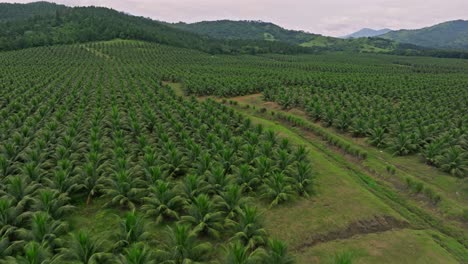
point(396, 246)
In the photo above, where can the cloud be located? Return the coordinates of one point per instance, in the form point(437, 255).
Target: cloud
point(328, 17)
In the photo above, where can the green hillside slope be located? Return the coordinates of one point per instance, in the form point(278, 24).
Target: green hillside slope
point(448, 35)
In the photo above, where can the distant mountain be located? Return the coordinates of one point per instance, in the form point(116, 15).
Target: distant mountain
point(448, 35)
point(367, 32)
point(12, 12)
point(252, 30)
point(259, 30)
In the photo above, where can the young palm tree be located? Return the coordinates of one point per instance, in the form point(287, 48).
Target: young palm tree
point(303, 178)
point(403, 144)
point(432, 151)
point(21, 190)
point(217, 179)
point(249, 228)
point(237, 253)
point(11, 217)
point(454, 161)
point(132, 230)
point(377, 137)
point(137, 253)
point(277, 253)
point(52, 202)
point(246, 178)
point(204, 216)
point(33, 253)
point(163, 202)
point(278, 188)
point(123, 188)
point(192, 186)
point(45, 230)
point(182, 247)
point(83, 248)
point(231, 200)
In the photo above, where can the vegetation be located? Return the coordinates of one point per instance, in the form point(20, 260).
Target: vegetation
point(448, 35)
point(87, 126)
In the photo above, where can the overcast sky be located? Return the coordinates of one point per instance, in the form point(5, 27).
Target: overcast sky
point(328, 17)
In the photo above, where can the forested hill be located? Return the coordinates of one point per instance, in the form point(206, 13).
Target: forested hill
point(265, 31)
point(12, 12)
point(253, 30)
point(43, 24)
point(49, 24)
point(448, 35)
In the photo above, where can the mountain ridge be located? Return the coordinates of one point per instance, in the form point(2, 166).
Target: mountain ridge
point(367, 32)
point(446, 35)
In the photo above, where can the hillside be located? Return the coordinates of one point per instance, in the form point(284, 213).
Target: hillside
point(448, 35)
point(12, 12)
point(367, 32)
point(254, 30)
point(265, 31)
point(49, 24)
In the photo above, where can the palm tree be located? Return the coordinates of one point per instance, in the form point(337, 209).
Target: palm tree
point(217, 179)
point(377, 137)
point(45, 230)
point(192, 186)
point(21, 190)
point(132, 230)
point(454, 161)
point(11, 217)
point(277, 253)
point(403, 144)
point(182, 247)
point(163, 202)
point(52, 202)
point(246, 178)
point(137, 253)
point(231, 200)
point(432, 151)
point(303, 178)
point(123, 188)
point(204, 216)
point(236, 253)
point(33, 253)
point(84, 249)
point(249, 228)
point(277, 188)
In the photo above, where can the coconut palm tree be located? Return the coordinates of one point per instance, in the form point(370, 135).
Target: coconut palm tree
point(123, 188)
point(137, 253)
point(193, 185)
point(248, 228)
point(33, 253)
point(218, 179)
point(52, 202)
point(82, 248)
point(237, 253)
point(277, 253)
point(163, 202)
point(454, 161)
point(303, 177)
point(132, 230)
point(204, 216)
point(278, 188)
point(231, 200)
point(21, 190)
point(44, 230)
point(246, 178)
point(182, 247)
